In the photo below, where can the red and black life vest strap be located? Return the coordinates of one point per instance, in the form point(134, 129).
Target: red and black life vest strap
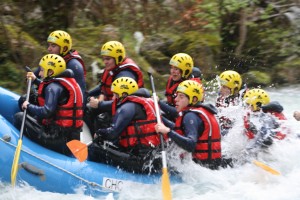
point(73, 118)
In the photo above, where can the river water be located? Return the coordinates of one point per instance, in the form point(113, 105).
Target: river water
point(247, 181)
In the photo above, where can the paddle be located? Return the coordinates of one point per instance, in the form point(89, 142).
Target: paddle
point(266, 167)
point(166, 188)
point(14, 168)
point(79, 149)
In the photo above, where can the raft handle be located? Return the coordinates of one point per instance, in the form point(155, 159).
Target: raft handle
point(32, 169)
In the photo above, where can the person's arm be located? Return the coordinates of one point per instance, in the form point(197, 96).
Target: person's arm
point(170, 111)
point(95, 91)
point(168, 123)
point(52, 95)
point(121, 120)
point(266, 132)
point(105, 106)
point(78, 71)
point(101, 97)
point(192, 126)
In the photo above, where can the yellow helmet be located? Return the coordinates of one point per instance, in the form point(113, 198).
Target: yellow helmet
point(114, 49)
point(231, 79)
point(256, 98)
point(62, 39)
point(184, 62)
point(53, 62)
point(124, 85)
point(191, 89)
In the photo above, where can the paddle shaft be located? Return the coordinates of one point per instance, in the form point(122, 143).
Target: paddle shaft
point(14, 168)
point(164, 162)
point(266, 167)
point(25, 111)
point(166, 188)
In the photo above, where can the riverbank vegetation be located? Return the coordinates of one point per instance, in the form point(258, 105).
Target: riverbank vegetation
point(258, 38)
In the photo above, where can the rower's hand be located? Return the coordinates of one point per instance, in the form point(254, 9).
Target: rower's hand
point(161, 128)
point(152, 97)
point(94, 102)
point(30, 75)
point(25, 105)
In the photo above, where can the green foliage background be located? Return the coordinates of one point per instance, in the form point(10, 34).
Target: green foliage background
point(257, 38)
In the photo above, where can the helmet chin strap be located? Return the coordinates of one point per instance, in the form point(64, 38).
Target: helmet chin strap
point(64, 51)
point(50, 72)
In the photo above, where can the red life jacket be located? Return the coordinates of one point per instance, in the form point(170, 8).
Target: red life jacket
point(209, 142)
point(196, 79)
point(140, 131)
point(109, 76)
point(71, 113)
point(249, 133)
point(73, 54)
point(279, 135)
point(170, 91)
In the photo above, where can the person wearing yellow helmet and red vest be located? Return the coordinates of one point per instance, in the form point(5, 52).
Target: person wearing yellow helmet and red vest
point(230, 85)
point(230, 93)
point(116, 65)
point(196, 129)
point(181, 69)
point(132, 128)
point(60, 43)
point(58, 116)
point(262, 122)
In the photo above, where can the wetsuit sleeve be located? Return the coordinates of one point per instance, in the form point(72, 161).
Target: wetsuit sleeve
point(105, 106)
point(53, 93)
point(95, 91)
point(127, 73)
point(78, 71)
point(168, 110)
point(192, 126)
point(168, 123)
point(37, 71)
point(266, 132)
point(37, 81)
point(125, 114)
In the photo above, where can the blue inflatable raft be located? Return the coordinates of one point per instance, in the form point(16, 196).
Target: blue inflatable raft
point(47, 170)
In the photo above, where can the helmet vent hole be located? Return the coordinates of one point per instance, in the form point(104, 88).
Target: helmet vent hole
point(120, 58)
point(186, 73)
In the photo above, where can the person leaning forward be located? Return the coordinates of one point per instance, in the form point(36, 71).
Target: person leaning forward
point(196, 129)
point(60, 43)
point(132, 128)
point(117, 65)
point(181, 69)
point(58, 115)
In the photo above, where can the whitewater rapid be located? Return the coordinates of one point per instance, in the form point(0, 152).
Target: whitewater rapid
point(247, 181)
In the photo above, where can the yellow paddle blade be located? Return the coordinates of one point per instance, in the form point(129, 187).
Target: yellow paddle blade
point(166, 188)
point(14, 168)
point(78, 149)
point(266, 167)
